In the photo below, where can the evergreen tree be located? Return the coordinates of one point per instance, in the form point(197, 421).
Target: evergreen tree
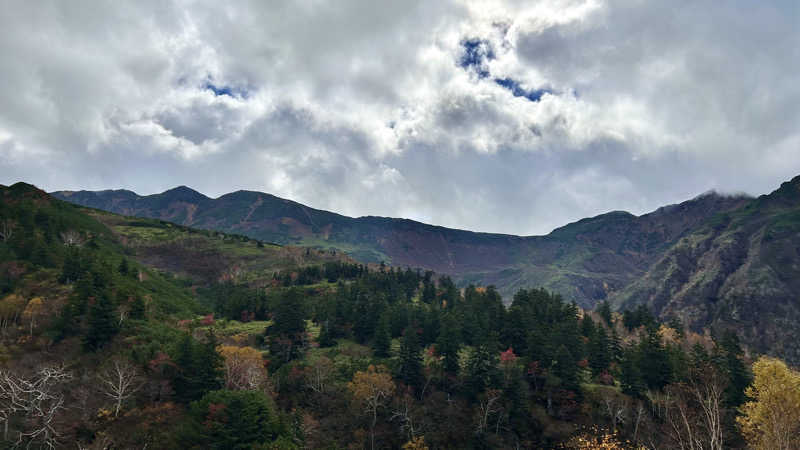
point(124, 269)
point(587, 326)
point(616, 346)
point(605, 312)
point(208, 365)
point(565, 367)
point(184, 380)
point(199, 367)
point(739, 377)
point(654, 362)
point(288, 325)
point(71, 270)
point(138, 309)
point(630, 378)
point(481, 368)
point(383, 338)
point(410, 369)
point(428, 292)
point(599, 352)
point(326, 338)
point(102, 323)
point(449, 343)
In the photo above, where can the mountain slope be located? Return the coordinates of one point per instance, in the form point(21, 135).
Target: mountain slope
point(740, 270)
point(584, 261)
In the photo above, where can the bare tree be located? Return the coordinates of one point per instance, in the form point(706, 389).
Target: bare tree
point(692, 411)
point(487, 407)
point(319, 374)
point(403, 413)
point(707, 386)
point(119, 381)
point(639, 413)
point(6, 229)
point(72, 237)
point(616, 407)
point(38, 399)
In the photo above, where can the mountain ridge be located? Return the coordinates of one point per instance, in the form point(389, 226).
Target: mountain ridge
point(469, 256)
point(716, 261)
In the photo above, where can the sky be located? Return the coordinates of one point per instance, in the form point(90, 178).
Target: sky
point(500, 116)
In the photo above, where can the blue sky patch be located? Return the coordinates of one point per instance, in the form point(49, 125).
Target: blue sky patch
point(512, 85)
point(476, 53)
point(225, 90)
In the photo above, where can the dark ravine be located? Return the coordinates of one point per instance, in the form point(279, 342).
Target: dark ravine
point(715, 260)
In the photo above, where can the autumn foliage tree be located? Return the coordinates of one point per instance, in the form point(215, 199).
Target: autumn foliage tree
point(371, 390)
point(771, 419)
point(243, 366)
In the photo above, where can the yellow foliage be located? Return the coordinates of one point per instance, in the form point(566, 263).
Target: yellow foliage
point(417, 443)
point(34, 308)
point(598, 440)
point(372, 387)
point(244, 367)
point(772, 419)
point(11, 306)
point(668, 335)
point(104, 414)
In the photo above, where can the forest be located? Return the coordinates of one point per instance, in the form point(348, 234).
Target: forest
point(101, 350)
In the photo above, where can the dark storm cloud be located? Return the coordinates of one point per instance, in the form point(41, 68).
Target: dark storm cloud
point(489, 115)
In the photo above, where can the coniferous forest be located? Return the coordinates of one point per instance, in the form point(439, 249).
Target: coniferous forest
point(104, 348)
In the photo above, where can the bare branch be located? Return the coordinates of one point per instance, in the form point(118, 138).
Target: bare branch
point(119, 382)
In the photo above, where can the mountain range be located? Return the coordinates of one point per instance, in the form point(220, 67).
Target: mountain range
point(715, 261)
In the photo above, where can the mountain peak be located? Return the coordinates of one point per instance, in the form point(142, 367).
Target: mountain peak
point(184, 193)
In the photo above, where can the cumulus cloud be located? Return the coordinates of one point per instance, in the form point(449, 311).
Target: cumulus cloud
point(492, 115)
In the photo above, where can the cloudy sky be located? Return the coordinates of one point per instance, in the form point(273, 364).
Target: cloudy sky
point(504, 116)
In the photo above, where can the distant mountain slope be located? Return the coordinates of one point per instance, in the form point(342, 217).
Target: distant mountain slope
point(739, 270)
point(713, 261)
point(585, 261)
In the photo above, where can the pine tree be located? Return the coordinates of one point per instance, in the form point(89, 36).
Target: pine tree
point(654, 360)
point(326, 338)
point(208, 365)
point(288, 325)
point(124, 269)
point(199, 367)
point(605, 312)
point(587, 326)
point(731, 363)
point(599, 352)
point(566, 368)
point(616, 346)
point(428, 292)
point(481, 368)
point(184, 381)
point(630, 378)
point(449, 343)
point(383, 338)
point(410, 370)
point(102, 323)
point(71, 269)
point(138, 309)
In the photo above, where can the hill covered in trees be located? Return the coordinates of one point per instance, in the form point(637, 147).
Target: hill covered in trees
point(728, 262)
point(120, 332)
